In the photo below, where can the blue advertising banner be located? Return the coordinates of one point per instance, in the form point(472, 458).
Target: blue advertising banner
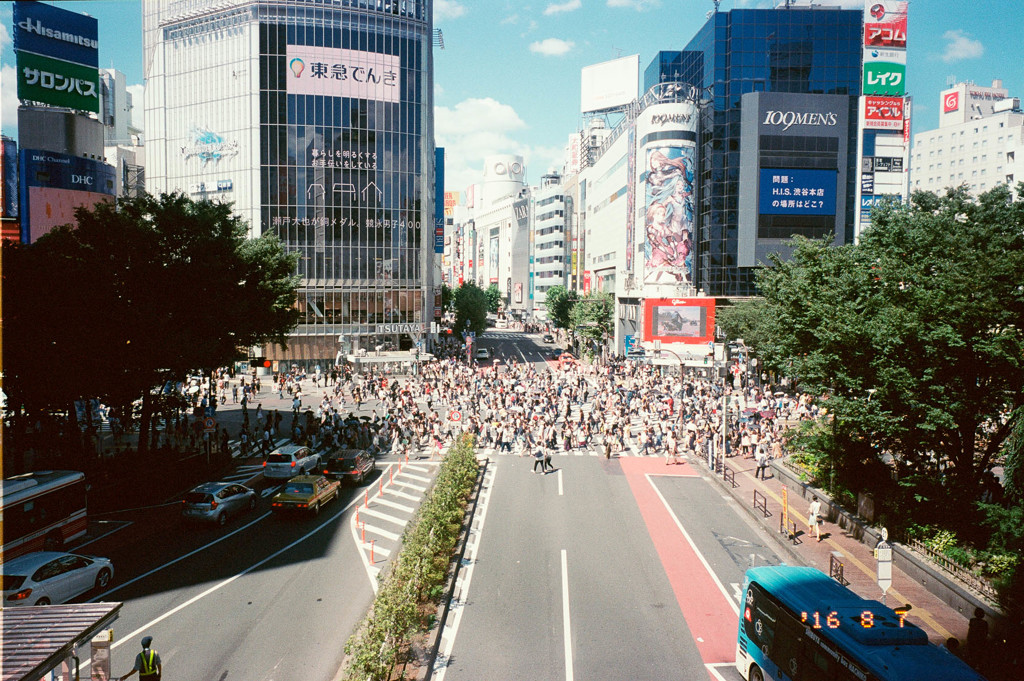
point(439, 200)
point(797, 192)
point(53, 32)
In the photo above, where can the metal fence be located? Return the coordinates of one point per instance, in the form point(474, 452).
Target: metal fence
point(957, 570)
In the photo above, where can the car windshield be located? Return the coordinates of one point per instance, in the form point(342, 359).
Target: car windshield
point(298, 488)
point(197, 498)
point(12, 582)
point(342, 463)
point(279, 458)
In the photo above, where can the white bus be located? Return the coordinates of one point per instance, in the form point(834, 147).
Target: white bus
point(41, 510)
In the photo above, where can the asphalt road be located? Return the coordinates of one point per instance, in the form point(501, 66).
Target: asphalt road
point(604, 569)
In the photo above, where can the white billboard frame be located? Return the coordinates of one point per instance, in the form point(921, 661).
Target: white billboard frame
point(610, 84)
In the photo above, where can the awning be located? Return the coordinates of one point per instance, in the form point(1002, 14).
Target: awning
point(38, 638)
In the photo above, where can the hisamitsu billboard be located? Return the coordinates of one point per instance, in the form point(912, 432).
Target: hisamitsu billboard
point(53, 32)
point(797, 192)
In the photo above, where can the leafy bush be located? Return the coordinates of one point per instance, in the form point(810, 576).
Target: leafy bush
point(418, 573)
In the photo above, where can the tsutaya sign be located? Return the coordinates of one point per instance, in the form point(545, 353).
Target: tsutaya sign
point(400, 328)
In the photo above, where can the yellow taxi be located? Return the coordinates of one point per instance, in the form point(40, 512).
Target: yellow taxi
point(305, 493)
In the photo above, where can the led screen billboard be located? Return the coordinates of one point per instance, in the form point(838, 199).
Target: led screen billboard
point(53, 185)
point(336, 72)
point(797, 192)
point(679, 320)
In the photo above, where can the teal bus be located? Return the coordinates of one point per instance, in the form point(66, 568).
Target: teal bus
point(799, 624)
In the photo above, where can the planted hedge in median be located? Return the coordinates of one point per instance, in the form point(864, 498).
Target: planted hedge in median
point(418, 573)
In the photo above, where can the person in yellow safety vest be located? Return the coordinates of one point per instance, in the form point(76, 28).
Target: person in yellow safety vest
point(147, 663)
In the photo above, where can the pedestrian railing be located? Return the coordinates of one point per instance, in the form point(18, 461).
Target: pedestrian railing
point(761, 504)
point(835, 567)
point(958, 570)
point(730, 476)
point(788, 528)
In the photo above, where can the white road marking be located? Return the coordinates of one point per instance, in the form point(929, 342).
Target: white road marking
point(736, 591)
point(466, 577)
point(560, 482)
point(703, 560)
point(382, 516)
point(394, 504)
point(566, 628)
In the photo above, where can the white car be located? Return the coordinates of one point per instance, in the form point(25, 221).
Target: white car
point(482, 353)
point(288, 461)
point(53, 577)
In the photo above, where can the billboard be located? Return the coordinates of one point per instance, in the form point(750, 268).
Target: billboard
point(8, 178)
point(883, 113)
point(797, 192)
point(885, 78)
point(59, 83)
point(451, 199)
point(630, 195)
point(885, 23)
point(679, 320)
point(950, 101)
point(53, 185)
point(57, 33)
point(609, 84)
point(336, 72)
point(668, 216)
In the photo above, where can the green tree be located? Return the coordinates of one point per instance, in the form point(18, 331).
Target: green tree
point(493, 298)
point(560, 301)
point(162, 286)
point(591, 316)
point(925, 316)
point(742, 320)
point(470, 308)
point(447, 296)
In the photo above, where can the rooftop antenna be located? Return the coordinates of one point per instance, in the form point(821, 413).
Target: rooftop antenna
point(950, 80)
point(439, 38)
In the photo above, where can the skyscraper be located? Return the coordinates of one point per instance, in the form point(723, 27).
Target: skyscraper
point(315, 119)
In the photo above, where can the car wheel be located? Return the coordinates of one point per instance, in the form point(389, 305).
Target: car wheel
point(43, 601)
point(222, 519)
point(755, 673)
point(103, 579)
point(316, 510)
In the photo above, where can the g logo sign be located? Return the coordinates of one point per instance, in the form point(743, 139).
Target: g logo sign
point(951, 102)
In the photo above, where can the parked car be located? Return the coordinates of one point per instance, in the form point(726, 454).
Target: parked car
point(548, 338)
point(216, 502)
point(305, 493)
point(483, 353)
point(351, 465)
point(53, 577)
point(288, 461)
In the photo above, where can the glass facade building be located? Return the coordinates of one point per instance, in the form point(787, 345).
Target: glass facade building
point(796, 51)
point(315, 118)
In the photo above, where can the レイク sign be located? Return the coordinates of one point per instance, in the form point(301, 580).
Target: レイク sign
point(342, 73)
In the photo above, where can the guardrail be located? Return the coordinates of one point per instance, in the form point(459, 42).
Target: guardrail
point(788, 528)
point(730, 476)
point(957, 570)
point(835, 568)
point(761, 503)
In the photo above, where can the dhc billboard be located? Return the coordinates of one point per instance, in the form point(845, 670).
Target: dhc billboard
point(53, 185)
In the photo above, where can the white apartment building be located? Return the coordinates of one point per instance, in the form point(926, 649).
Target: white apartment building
point(550, 238)
point(979, 142)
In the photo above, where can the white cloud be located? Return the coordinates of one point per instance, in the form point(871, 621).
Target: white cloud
point(470, 131)
point(552, 47)
point(638, 5)
point(448, 9)
point(9, 100)
point(5, 37)
point(961, 46)
point(567, 6)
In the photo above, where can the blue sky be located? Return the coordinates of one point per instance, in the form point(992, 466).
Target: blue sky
point(508, 78)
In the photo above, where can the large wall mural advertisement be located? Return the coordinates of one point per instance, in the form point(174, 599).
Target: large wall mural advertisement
point(668, 219)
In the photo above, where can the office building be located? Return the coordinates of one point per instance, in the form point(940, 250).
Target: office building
point(979, 142)
point(315, 120)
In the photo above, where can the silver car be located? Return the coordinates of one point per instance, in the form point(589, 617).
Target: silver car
point(53, 577)
point(215, 502)
point(288, 461)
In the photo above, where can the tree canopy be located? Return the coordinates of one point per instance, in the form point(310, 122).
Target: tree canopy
point(470, 308)
point(140, 292)
point(493, 298)
point(560, 301)
point(915, 334)
point(591, 316)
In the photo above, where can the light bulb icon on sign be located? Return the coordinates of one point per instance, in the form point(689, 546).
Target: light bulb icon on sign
point(297, 66)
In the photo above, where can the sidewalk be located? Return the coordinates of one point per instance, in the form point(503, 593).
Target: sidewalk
point(859, 567)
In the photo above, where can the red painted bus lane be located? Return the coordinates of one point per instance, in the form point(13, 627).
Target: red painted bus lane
point(708, 612)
